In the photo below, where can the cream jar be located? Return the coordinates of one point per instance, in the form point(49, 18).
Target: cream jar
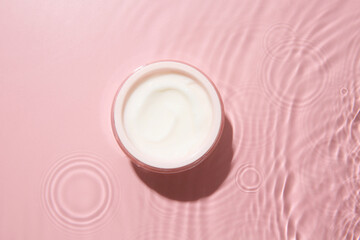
point(167, 116)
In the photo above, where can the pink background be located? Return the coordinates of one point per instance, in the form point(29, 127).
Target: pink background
point(287, 166)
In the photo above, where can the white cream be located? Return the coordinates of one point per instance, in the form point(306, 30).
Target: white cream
point(167, 115)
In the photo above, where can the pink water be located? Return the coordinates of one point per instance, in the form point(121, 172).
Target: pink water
point(287, 166)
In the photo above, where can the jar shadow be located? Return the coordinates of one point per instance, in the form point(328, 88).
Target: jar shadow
point(198, 182)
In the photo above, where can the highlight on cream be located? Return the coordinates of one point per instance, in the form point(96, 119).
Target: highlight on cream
point(167, 116)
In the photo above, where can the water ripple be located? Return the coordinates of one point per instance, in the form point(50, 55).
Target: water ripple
point(249, 179)
point(351, 116)
point(295, 74)
point(346, 217)
point(322, 123)
point(323, 179)
point(243, 187)
point(344, 91)
point(332, 126)
point(78, 193)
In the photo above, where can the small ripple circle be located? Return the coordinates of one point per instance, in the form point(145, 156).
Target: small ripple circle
point(78, 192)
point(249, 178)
point(344, 91)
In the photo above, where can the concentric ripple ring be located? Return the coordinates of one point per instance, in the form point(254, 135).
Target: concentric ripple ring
point(78, 192)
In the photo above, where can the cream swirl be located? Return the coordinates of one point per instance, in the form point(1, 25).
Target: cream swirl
point(168, 116)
